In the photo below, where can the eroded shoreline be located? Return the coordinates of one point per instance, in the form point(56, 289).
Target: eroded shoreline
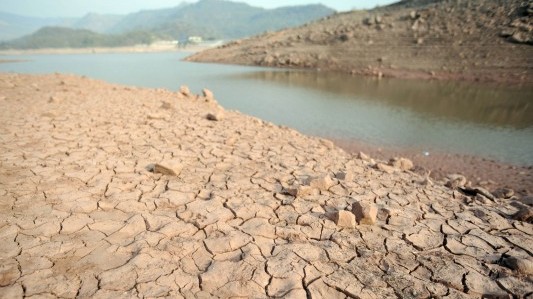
point(478, 41)
point(489, 173)
point(244, 208)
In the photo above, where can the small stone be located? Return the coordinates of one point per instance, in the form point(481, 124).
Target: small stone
point(344, 219)
point(344, 37)
point(472, 191)
point(482, 199)
point(525, 214)
point(208, 95)
point(402, 163)
point(455, 181)
point(504, 193)
point(519, 38)
point(184, 90)
point(416, 25)
point(344, 176)
point(363, 156)
point(168, 168)
point(215, 116)
point(365, 212)
point(290, 191)
point(322, 183)
point(368, 21)
point(484, 192)
point(522, 265)
point(506, 33)
point(527, 200)
point(385, 168)
point(299, 191)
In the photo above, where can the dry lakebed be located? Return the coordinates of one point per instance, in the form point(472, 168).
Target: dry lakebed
point(109, 191)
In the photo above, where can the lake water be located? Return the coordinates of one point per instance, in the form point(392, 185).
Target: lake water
point(483, 120)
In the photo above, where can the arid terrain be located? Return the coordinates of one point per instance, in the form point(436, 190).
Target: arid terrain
point(490, 174)
point(109, 191)
point(478, 40)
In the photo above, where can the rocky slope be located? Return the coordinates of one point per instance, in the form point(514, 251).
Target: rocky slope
point(487, 40)
point(116, 192)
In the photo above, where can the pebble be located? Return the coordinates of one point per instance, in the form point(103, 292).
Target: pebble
point(365, 213)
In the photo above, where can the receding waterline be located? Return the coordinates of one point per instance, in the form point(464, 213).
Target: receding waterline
point(487, 121)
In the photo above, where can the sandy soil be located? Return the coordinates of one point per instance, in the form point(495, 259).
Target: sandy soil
point(109, 191)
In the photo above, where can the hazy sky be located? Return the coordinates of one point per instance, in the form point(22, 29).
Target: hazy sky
point(77, 8)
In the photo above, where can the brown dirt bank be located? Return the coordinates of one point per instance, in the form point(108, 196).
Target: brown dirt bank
point(479, 40)
point(488, 173)
point(108, 191)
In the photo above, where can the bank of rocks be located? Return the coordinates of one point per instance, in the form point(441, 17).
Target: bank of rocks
point(481, 40)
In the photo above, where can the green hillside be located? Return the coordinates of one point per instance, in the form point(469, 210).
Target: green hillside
point(210, 19)
point(60, 37)
point(220, 19)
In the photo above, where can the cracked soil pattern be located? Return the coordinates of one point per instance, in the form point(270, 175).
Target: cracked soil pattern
point(84, 214)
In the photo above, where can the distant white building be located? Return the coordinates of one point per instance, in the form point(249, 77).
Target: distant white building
point(165, 43)
point(195, 39)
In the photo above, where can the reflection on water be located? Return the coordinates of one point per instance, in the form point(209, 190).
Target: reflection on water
point(461, 118)
point(449, 101)
point(484, 120)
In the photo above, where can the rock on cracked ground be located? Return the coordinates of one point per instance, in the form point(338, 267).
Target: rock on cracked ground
point(109, 191)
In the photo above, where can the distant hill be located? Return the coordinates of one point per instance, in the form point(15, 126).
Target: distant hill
point(485, 40)
point(222, 19)
point(207, 18)
point(100, 23)
point(14, 26)
point(60, 37)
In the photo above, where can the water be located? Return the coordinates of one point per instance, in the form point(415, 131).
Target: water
point(487, 121)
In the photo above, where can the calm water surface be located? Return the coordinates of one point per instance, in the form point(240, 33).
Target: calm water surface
point(488, 121)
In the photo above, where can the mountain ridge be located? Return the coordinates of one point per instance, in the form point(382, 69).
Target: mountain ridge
point(62, 37)
point(213, 18)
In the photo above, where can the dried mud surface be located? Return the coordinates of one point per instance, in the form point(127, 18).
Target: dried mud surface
point(238, 213)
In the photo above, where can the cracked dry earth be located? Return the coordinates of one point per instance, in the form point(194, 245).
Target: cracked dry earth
point(82, 215)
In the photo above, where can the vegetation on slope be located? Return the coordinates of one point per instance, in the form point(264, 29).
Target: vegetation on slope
point(210, 19)
point(60, 37)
